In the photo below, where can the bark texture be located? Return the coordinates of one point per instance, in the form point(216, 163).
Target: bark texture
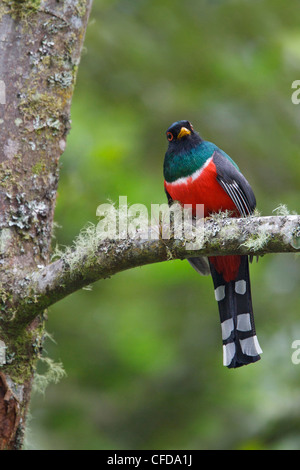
point(40, 46)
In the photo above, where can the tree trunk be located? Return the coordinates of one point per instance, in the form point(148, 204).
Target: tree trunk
point(40, 46)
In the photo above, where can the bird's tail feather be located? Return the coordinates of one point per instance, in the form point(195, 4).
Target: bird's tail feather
point(240, 344)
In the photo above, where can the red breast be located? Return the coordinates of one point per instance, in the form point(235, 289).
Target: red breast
point(202, 188)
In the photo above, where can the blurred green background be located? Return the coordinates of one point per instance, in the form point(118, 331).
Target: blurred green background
point(142, 350)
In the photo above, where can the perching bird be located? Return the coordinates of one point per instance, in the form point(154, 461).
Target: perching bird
point(198, 172)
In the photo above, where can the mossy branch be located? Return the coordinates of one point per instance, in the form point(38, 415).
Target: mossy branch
point(92, 258)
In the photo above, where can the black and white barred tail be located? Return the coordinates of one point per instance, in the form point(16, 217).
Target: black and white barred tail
point(240, 344)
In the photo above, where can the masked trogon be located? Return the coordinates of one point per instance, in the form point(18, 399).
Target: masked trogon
point(198, 172)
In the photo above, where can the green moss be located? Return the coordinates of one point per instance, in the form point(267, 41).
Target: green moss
point(20, 360)
point(40, 106)
point(81, 7)
point(20, 9)
point(42, 112)
point(6, 177)
point(39, 167)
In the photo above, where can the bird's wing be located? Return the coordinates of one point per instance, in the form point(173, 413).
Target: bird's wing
point(235, 184)
point(170, 200)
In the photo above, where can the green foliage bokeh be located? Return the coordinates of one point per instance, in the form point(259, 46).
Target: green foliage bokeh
point(142, 350)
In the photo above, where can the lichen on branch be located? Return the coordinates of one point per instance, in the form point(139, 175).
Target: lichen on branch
point(92, 258)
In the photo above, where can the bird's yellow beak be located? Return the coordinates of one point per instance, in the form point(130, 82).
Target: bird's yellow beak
point(183, 131)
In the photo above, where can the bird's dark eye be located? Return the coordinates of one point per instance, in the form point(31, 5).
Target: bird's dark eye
point(169, 136)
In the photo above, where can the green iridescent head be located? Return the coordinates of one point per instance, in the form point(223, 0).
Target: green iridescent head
point(184, 155)
point(187, 151)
